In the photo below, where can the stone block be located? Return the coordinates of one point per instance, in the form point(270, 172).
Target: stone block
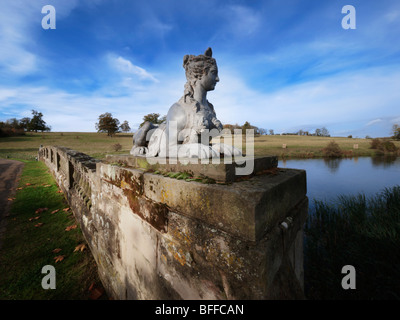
point(246, 209)
point(156, 237)
point(214, 169)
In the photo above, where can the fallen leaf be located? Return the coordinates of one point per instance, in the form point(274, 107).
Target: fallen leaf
point(66, 209)
point(74, 226)
point(20, 188)
point(91, 286)
point(47, 185)
point(28, 184)
point(96, 293)
point(59, 191)
point(39, 224)
point(59, 258)
point(41, 210)
point(80, 247)
point(54, 211)
point(11, 199)
point(56, 250)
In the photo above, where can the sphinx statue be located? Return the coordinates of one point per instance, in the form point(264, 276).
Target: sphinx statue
point(188, 119)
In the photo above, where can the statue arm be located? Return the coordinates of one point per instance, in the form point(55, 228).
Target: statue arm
point(218, 125)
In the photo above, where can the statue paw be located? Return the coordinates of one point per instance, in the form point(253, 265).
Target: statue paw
point(197, 150)
point(226, 150)
point(139, 151)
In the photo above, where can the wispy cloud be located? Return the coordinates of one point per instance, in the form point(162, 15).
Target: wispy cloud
point(126, 67)
point(373, 122)
point(244, 21)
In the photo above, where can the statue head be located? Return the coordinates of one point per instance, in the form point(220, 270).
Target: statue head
point(202, 68)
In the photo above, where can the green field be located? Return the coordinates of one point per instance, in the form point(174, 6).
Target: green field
point(310, 146)
point(98, 145)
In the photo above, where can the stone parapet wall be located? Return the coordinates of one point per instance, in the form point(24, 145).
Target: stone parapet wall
point(156, 237)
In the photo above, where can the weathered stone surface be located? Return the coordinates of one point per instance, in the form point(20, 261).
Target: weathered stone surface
point(212, 168)
point(246, 209)
point(155, 237)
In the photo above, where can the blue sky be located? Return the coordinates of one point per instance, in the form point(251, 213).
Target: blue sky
point(283, 65)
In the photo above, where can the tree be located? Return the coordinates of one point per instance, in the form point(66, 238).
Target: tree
point(271, 132)
point(262, 131)
point(153, 118)
point(107, 124)
point(396, 132)
point(24, 123)
point(125, 126)
point(232, 127)
point(325, 132)
point(247, 126)
point(37, 123)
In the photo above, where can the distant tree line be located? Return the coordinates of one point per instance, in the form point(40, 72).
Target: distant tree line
point(13, 126)
point(107, 123)
point(245, 126)
point(319, 132)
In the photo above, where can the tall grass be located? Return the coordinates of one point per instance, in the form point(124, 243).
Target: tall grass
point(357, 231)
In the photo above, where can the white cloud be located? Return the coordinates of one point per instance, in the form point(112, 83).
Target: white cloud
point(155, 26)
point(244, 20)
point(373, 122)
point(6, 94)
point(128, 68)
point(70, 112)
point(354, 97)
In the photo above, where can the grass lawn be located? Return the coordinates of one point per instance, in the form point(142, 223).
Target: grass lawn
point(36, 235)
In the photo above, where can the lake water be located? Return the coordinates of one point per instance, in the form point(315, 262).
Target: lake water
point(328, 178)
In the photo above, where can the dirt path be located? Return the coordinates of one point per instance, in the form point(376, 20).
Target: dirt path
point(10, 171)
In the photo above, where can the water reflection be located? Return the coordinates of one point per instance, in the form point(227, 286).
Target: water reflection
point(385, 162)
point(328, 178)
point(332, 164)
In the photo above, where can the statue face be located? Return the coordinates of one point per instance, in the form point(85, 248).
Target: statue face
point(209, 80)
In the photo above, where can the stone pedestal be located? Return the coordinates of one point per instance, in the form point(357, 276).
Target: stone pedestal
point(158, 237)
